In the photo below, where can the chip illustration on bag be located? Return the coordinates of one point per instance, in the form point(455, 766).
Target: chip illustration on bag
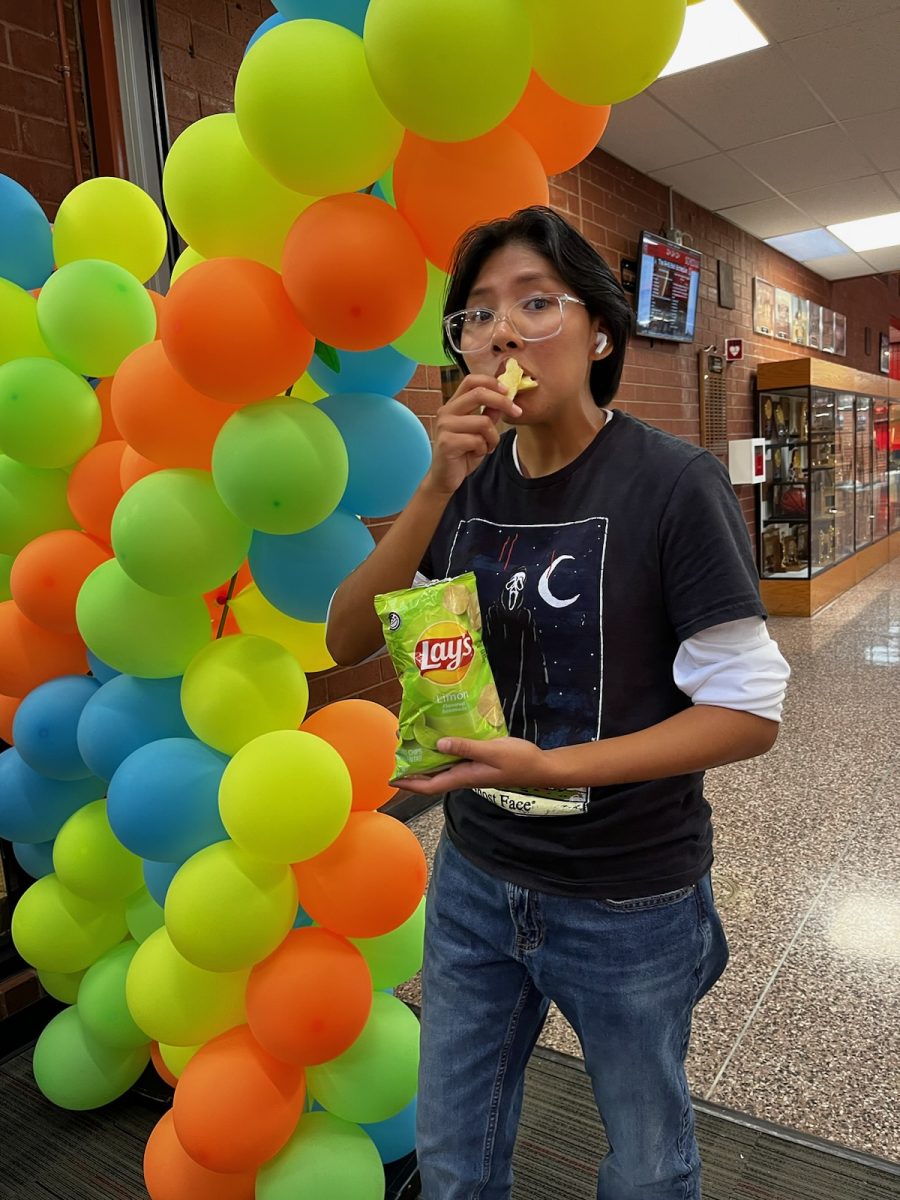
point(433, 635)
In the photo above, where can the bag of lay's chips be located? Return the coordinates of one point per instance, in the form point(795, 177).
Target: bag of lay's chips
point(433, 635)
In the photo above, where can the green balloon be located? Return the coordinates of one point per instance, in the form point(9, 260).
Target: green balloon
point(280, 466)
point(422, 341)
point(49, 416)
point(19, 333)
point(55, 930)
point(61, 986)
point(396, 956)
point(32, 502)
point(6, 562)
point(173, 535)
point(91, 861)
point(101, 1000)
point(92, 314)
point(142, 915)
point(309, 112)
point(377, 1076)
point(136, 631)
point(74, 1070)
point(326, 1159)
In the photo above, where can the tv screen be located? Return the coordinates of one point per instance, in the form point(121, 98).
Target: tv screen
point(668, 286)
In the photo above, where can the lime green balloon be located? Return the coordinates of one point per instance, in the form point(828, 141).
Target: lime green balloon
point(111, 219)
point(6, 562)
point(603, 51)
point(19, 333)
point(101, 1000)
point(449, 70)
point(325, 1159)
point(307, 792)
point(422, 342)
point(240, 687)
point(32, 501)
point(222, 202)
point(74, 1070)
point(142, 915)
point(49, 415)
point(186, 259)
point(173, 535)
point(93, 314)
point(177, 1003)
point(61, 986)
point(91, 861)
point(307, 389)
point(176, 1058)
point(136, 631)
point(280, 466)
point(55, 930)
point(377, 1076)
point(395, 957)
point(309, 112)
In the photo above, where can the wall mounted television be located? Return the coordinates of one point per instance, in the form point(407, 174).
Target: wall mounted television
point(668, 287)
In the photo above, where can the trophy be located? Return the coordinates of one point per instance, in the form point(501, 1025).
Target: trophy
point(780, 423)
point(771, 552)
point(790, 560)
point(768, 423)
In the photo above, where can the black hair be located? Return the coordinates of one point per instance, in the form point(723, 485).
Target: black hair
point(576, 262)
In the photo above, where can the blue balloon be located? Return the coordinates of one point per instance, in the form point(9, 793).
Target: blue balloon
point(36, 859)
point(302, 920)
point(26, 244)
point(124, 715)
point(46, 724)
point(395, 1137)
point(300, 572)
point(387, 447)
point(163, 801)
point(349, 13)
point(34, 808)
point(100, 670)
point(385, 371)
point(269, 23)
point(157, 877)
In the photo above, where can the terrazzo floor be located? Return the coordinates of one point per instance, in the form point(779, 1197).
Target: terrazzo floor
point(803, 1030)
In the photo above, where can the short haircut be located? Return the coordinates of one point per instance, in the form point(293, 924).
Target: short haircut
point(576, 262)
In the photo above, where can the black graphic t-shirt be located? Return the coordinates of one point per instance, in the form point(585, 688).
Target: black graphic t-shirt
point(589, 579)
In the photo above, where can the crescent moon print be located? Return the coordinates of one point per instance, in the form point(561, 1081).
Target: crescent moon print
point(544, 584)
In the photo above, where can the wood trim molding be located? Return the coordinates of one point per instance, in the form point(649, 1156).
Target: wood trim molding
point(102, 78)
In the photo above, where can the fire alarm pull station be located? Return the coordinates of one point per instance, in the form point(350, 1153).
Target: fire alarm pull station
point(747, 460)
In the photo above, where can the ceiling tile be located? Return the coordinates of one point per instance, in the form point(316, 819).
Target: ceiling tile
point(714, 182)
point(878, 136)
point(887, 259)
point(849, 200)
point(853, 68)
point(803, 160)
point(783, 19)
point(750, 98)
point(767, 218)
point(648, 137)
point(839, 266)
point(893, 178)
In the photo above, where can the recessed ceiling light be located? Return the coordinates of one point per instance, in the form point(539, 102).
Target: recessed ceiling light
point(811, 243)
point(869, 233)
point(713, 30)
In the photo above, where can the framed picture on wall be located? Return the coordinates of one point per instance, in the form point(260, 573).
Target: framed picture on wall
point(828, 330)
point(840, 334)
point(783, 314)
point(763, 307)
point(815, 326)
point(884, 353)
point(799, 321)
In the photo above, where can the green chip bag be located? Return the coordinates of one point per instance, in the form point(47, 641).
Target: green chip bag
point(433, 635)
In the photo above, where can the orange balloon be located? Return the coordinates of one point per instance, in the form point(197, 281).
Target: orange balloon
point(95, 488)
point(561, 131)
point(108, 430)
point(134, 467)
point(218, 597)
point(47, 575)
point(171, 1174)
point(308, 1002)
point(158, 303)
point(30, 654)
point(354, 271)
point(368, 881)
point(365, 736)
point(444, 188)
point(163, 417)
point(231, 331)
point(235, 1105)
point(161, 1069)
point(9, 706)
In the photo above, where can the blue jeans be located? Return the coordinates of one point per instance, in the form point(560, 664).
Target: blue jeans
point(625, 974)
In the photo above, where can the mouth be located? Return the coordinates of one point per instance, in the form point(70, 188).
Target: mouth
point(501, 367)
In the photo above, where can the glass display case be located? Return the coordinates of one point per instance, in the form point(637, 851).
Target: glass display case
point(893, 455)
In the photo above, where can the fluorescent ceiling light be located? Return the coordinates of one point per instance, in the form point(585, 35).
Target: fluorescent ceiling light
point(713, 30)
point(870, 233)
point(811, 243)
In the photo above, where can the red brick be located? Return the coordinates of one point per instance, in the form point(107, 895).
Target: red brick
point(39, 15)
point(354, 679)
point(9, 130)
point(181, 103)
point(31, 94)
point(33, 53)
point(210, 12)
point(244, 20)
point(45, 139)
point(174, 27)
point(209, 105)
point(197, 74)
point(218, 47)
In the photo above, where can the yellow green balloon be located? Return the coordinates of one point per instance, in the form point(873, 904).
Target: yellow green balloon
point(325, 1159)
point(395, 957)
point(32, 501)
point(136, 631)
point(186, 259)
point(422, 341)
point(603, 51)
point(309, 112)
point(101, 1000)
point(76, 1071)
point(222, 202)
point(179, 1004)
point(55, 930)
point(177, 1058)
point(61, 986)
point(307, 792)
point(449, 70)
point(90, 860)
point(111, 219)
point(19, 333)
point(49, 415)
point(304, 639)
point(143, 915)
point(240, 687)
point(227, 909)
point(307, 389)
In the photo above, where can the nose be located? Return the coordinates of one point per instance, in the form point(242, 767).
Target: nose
point(512, 337)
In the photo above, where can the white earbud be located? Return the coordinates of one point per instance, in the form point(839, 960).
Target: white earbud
point(602, 341)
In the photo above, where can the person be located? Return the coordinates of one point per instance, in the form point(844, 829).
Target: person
point(630, 651)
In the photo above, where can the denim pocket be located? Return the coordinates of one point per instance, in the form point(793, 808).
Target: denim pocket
point(641, 903)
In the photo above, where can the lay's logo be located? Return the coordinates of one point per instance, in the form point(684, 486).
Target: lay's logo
point(444, 653)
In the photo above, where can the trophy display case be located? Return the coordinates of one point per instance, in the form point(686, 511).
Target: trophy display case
point(893, 455)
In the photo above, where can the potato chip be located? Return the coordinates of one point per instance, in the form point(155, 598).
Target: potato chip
point(515, 379)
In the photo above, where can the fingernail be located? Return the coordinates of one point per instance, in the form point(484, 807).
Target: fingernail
point(444, 745)
point(517, 412)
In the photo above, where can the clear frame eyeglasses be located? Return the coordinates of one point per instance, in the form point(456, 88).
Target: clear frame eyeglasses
point(534, 319)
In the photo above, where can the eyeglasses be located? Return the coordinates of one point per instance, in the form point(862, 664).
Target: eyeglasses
point(533, 319)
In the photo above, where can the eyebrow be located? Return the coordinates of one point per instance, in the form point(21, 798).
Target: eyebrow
point(526, 277)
